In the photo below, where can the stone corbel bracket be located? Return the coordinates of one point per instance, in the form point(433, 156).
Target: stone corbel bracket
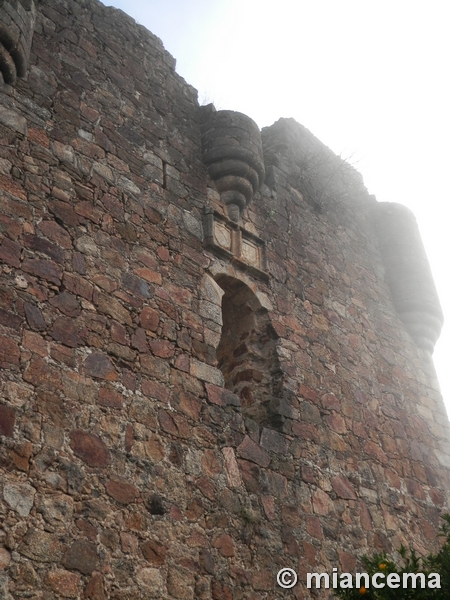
point(232, 150)
point(408, 273)
point(17, 20)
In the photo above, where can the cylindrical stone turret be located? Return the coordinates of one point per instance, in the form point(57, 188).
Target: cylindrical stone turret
point(409, 274)
point(232, 150)
point(17, 19)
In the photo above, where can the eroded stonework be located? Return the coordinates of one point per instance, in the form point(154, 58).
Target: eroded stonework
point(194, 396)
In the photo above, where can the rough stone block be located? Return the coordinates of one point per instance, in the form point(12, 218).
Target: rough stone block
point(7, 420)
point(206, 372)
point(89, 448)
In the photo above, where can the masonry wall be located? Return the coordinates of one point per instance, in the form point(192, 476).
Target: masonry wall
point(177, 421)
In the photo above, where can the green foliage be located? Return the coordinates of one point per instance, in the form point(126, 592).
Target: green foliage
point(410, 563)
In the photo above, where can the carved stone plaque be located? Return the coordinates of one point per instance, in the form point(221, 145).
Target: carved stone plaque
point(250, 253)
point(222, 235)
point(229, 240)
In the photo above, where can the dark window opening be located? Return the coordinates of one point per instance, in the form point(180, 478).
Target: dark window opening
point(246, 353)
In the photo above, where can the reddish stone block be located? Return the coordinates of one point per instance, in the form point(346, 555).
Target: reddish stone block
point(364, 516)
point(21, 455)
point(290, 515)
point(12, 226)
point(263, 581)
point(182, 363)
point(119, 333)
point(40, 244)
point(9, 319)
point(56, 233)
point(51, 405)
point(156, 390)
point(221, 396)
point(139, 340)
point(309, 553)
point(436, 497)
point(87, 529)
point(9, 353)
point(89, 448)
point(305, 431)
point(313, 527)
point(65, 331)
point(220, 591)
point(66, 303)
point(330, 402)
point(162, 348)
point(64, 212)
point(88, 149)
point(269, 507)
point(40, 374)
point(105, 283)
point(100, 366)
point(46, 269)
point(128, 542)
point(112, 307)
point(149, 275)
point(415, 489)
point(206, 487)
point(78, 286)
point(174, 424)
point(5, 559)
point(376, 452)
point(322, 503)
point(95, 588)
point(129, 438)
point(64, 583)
point(163, 253)
point(195, 510)
point(10, 253)
point(10, 186)
point(251, 475)
point(188, 404)
point(224, 543)
point(113, 207)
point(154, 552)
point(129, 380)
point(348, 562)
point(249, 450)
point(111, 398)
point(336, 423)
point(7, 419)
point(211, 466)
point(154, 449)
point(122, 491)
point(38, 136)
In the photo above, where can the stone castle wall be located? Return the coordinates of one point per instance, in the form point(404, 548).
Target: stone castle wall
point(214, 344)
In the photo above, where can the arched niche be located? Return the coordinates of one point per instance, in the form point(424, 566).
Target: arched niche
point(246, 352)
